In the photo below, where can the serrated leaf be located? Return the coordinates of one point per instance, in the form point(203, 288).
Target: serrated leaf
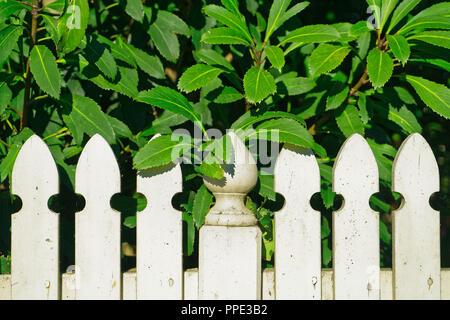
point(266, 186)
point(211, 169)
point(405, 119)
point(227, 95)
point(165, 41)
point(10, 7)
point(213, 58)
point(83, 115)
point(232, 5)
point(400, 48)
point(99, 54)
point(224, 35)
point(173, 23)
point(326, 57)
point(197, 76)
point(135, 9)
point(248, 119)
point(437, 38)
point(258, 84)
point(283, 130)
point(72, 25)
point(427, 22)
point(275, 56)
point(163, 123)
point(439, 63)
point(295, 86)
point(8, 40)
point(45, 71)
point(51, 25)
point(7, 163)
point(435, 95)
point(402, 11)
point(337, 96)
point(5, 96)
point(147, 63)
point(313, 34)
point(387, 7)
point(169, 99)
point(229, 19)
point(375, 5)
point(363, 112)
point(120, 129)
point(359, 28)
point(158, 152)
point(202, 203)
point(349, 122)
point(380, 67)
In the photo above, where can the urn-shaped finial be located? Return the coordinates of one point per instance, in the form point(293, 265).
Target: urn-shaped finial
point(241, 175)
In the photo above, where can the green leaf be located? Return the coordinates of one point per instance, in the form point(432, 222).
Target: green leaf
point(8, 40)
point(189, 220)
point(158, 152)
point(258, 84)
point(275, 56)
point(405, 119)
point(294, 86)
point(375, 5)
point(248, 120)
point(278, 15)
point(435, 95)
point(10, 8)
point(386, 9)
point(72, 25)
point(120, 129)
point(380, 67)
point(437, 38)
point(293, 11)
point(5, 96)
point(83, 115)
point(118, 52)
point(211, 169)
point(312, 34)
point(227, 95)
point(45, 71)
point(266, 186)
point(337, 96)
point(173, 23)
point(98, 54)
point(163, 123)
point(169, 99)
point(165, 41)
point(224, 35)
point(362, 105)
point(402, 11)
point(385, 236)
point(427, 22)
point(51, 25)
point(229, 19)
point(359, 28)
point(232, 5)
point(213, 58)
point(400, 48)
point(326, 57)
point(283, 130)
point(7, 163)
point(202, 202)
point(135, 9)
point(439, 63)
point(197, 76)
point(349, 122)
point(147, 63)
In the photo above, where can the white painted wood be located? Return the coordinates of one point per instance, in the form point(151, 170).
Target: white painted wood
point(230, 240)
point(416, 226)
point(327, 284)
point(445, 284)
point(191, 284)
point(159, 260)
point(268, 284)
point(35, 228)
point(356, 248)
point(129, 286)
point(386, 289)
point(297, 226)
point(97, 226)
point(68, 291)
point(230, 263)
point(5, 287)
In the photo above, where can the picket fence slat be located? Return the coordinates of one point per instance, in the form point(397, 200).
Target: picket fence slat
point(230, 241)
point(159, 235)
point(415, 225)
point(297, 226)
point(35, 228)
point(356, 247)
point(97, 226)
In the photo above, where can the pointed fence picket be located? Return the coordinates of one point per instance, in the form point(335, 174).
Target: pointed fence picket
point(297, 226)
point(416, 272)
point(35, 228)
point(97, 226)
point(159, 257)
point(356, 244)
point(415, 225)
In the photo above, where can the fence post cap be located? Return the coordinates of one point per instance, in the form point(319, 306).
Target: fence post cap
point(240, 177)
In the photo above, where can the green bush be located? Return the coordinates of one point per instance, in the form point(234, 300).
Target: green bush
point(131, 69)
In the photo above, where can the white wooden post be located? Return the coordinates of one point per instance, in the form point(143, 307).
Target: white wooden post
point(297, 226)
point(230, 240)
point(97, 227)
point(356, 247)
point(159, 260)
point(35, 228)
point(416, 226)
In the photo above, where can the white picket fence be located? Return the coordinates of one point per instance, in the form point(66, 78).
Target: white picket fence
point(230, 240)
